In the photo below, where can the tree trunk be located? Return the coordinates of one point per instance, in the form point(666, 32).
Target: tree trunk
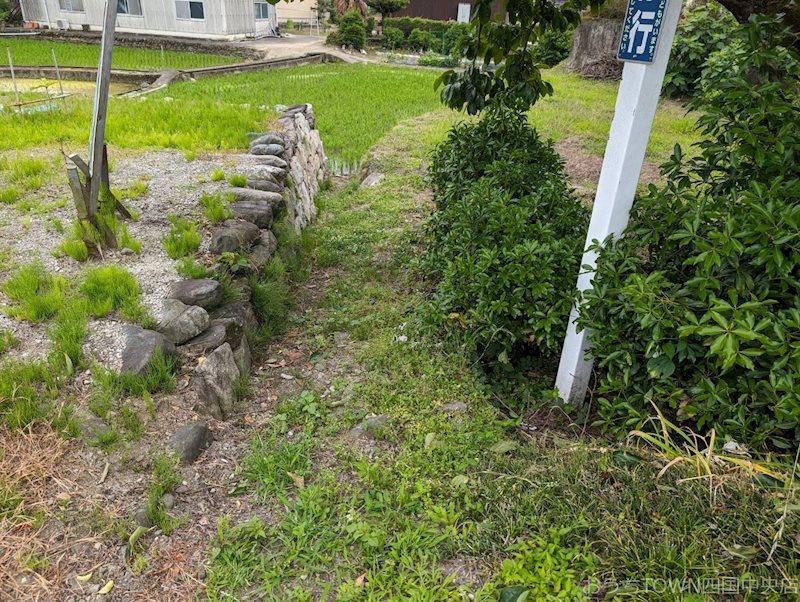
point(594, 49)
point(743, 9)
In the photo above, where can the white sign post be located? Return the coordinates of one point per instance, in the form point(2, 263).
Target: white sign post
point(637, 100)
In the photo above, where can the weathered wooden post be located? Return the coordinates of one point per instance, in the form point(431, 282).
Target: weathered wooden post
point(95, 174)
point(645, 46)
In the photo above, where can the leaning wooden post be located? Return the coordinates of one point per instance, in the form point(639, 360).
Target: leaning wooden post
point(645, 47)
point(100, 110)
point(95, 173)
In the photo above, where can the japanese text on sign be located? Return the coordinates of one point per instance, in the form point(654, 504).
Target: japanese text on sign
point(640, 31)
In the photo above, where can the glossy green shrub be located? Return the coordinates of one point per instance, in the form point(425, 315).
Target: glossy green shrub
point(392, 38)
point(352, 31)
point(697, 307)
point(419, 39)
point(553, 47)
point(504, 241)
point(706, 30)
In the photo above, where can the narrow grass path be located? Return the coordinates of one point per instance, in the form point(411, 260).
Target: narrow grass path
point(385, 472)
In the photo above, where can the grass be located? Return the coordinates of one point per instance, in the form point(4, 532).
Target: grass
point(112, 288)
point(349, 126)
point(165, 479)
point(7, 341)
point(9, 195)
point(27, 388)
point(111, 394)
point(136, 190)
point(555, 513)
point(36, 294)
point(238, 180)
point(215, 207)
point(188, 267)
point(217, 175)
point(183, 238)
point(67, 332)
point(26, 51)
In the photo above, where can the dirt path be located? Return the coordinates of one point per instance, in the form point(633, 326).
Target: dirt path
point(296, 46)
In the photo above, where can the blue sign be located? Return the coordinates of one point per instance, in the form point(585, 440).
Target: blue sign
point(641, 29)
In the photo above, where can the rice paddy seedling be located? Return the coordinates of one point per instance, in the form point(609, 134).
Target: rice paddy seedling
point(34, 52)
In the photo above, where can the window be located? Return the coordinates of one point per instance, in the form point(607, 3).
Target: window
point(189, 10)
point(71, 5)
point(129, 7)
point(262, 10)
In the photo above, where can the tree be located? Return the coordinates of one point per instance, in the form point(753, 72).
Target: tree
point(345, 6)
point(387, 7)
point(502, 54)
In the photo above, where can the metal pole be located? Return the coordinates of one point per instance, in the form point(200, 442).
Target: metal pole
point(58, 71)
point(100, 110)
point(637, 101)
point(13, 78)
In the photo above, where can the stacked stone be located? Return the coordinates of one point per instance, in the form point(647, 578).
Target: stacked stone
point(194, 321)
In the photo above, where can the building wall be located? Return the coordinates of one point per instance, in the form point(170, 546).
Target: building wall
point(439, 9)
point(297, 11)
point(222, 18)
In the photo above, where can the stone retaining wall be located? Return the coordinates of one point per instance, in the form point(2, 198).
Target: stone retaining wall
point(196, 326)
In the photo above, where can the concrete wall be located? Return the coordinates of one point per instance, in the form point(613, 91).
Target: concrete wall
point(223, 19)
point(299, 11)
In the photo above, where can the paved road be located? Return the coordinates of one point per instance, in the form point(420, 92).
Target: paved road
point(296, 46)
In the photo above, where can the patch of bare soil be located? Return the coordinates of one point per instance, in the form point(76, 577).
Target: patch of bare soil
point(583, 168)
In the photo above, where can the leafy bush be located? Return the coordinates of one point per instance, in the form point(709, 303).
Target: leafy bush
point(392, 38)
point(505, 240)
point(420, 39)
point(553, 47)
point(409, 24)
point(452, 35)
point(352, 32)
point(696, 309)
point(707, 30)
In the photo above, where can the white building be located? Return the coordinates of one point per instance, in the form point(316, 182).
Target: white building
point(298, 11)
point(205, 19)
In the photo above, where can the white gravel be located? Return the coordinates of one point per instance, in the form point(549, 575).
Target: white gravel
point(174, 188)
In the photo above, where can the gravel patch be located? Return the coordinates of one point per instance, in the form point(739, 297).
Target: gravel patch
point(175, 185)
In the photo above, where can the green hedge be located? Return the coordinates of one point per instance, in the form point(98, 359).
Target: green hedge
point(409, 24)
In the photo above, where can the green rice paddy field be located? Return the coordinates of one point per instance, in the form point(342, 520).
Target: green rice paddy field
point(355, 106)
